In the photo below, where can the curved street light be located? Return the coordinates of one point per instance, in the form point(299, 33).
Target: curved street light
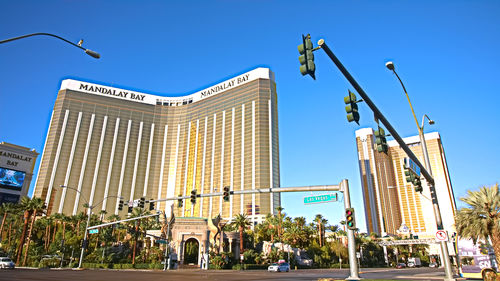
point(79, 45)
point(437, 212)
point(84, 246)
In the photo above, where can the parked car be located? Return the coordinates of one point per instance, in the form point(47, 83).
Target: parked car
point(278, 267)
point(6, 262)
point(414, 262)
point(401, 265)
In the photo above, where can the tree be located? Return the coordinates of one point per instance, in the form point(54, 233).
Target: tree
point(295, 236)
point(300, 222)
point(137, 212)
point(321, 222)
point(6, 209)
point(280, 221)
point(241, 221)
point(37, 206)
point(481, 218)
point(26, 205)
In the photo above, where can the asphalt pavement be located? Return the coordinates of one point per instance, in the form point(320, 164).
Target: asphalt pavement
point(21, 274)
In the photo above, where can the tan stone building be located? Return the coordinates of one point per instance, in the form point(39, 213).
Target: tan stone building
point(389, 200)
point(105, 141)
point(16, 171)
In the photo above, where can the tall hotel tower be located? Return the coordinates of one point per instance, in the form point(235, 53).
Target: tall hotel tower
point(107, 142)
point(390, 202)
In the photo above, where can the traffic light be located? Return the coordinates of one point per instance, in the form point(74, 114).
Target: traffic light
point(380, 140)
point(151, 205)
point(120, 205)
point(351, 107)
point(130, 209)
point(193, 196)
point(412, 178)
point(306, 57)
point(349, 218)
point(225, 195)
point(141, 202)
point(180, 202)
point(417, 184)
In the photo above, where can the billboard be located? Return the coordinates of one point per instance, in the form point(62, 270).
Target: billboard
point(11, 179)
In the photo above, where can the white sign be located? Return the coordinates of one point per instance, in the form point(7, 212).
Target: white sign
point(101, 90)
point(441, 235)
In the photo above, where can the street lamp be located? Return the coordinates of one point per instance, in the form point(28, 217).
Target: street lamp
point(84, 245)
point(437, 212)
point(79, 45)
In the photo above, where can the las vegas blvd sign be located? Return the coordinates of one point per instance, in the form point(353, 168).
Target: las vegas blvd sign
point(320, 198)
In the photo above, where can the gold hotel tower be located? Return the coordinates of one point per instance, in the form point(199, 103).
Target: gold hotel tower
point(390, 202)
point(108, 142)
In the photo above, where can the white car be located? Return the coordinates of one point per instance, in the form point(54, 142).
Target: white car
point(6, 263)
point(278, 267)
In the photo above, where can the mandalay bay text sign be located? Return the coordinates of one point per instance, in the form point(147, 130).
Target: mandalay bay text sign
point(324, 198)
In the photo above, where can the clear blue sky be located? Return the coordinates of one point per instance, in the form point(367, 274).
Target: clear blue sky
point(447, 53)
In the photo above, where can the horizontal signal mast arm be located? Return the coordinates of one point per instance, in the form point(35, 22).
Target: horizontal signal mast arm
point(130, 219)
point(261, 190)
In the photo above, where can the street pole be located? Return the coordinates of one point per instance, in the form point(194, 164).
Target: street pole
point(79, 45)
point(432, 188)
point(84, 246)
point(167, 246)
point(351, 242)
point(437, 211)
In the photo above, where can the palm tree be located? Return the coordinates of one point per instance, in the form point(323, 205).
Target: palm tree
point(333, 229)
point(295, 236)
point(280, 221)
point(6, 209)
point(37, 207)
point(320, 222)
point(300, 222)
point(241, 221)
point(26, 206)
point(137, 212)
point(481, 218)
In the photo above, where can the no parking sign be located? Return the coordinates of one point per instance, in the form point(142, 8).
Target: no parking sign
point(441, 235)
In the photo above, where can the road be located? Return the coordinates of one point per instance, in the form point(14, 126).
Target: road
point(216, 275)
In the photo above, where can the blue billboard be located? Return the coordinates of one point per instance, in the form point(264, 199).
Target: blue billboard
point(11, 179)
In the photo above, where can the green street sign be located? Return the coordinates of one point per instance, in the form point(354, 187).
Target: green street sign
point(320, 198)
point(93, 231)
point(161, 241)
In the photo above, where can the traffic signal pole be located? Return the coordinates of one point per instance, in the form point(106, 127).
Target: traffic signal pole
point(428, 177)
point(351, 243)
